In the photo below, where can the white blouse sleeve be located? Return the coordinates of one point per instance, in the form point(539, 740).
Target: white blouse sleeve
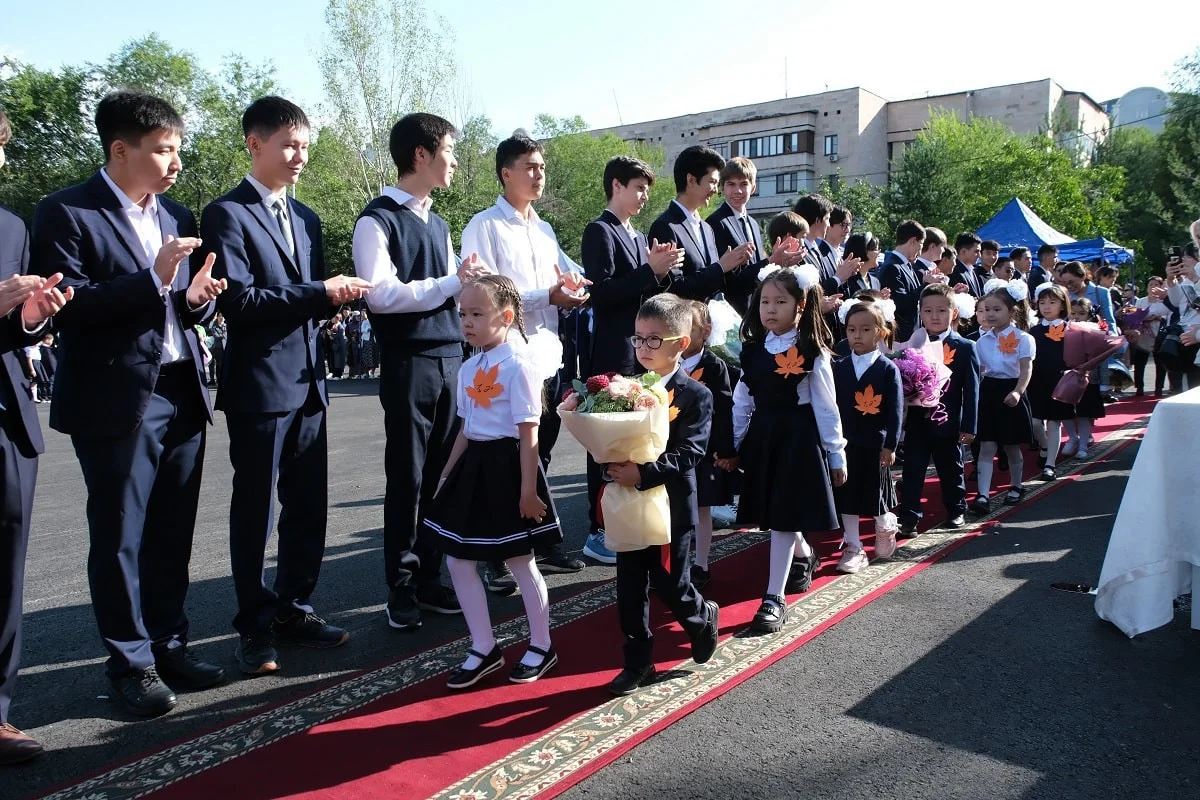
point(525, 399)
point(743, 409)
point(1027, 347)
point(823, 397)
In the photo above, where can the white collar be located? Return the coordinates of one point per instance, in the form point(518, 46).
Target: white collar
point(665, 379)
point(866, 358)
point(268, 197)
point(693, 216)
point(405, 199)
point(498, 354)
point(690, 362)
point(938, 337)
point(776, 344)
point(151, 207)
point(743, 214)
point(1054, 323)
point(510, 212)
point(996, 334)
point(904, 260)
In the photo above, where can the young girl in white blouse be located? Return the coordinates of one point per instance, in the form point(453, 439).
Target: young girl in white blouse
point(787, 429)
point(1006, 354)
point(492, 501)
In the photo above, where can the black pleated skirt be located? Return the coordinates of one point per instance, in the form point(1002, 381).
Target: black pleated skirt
point(785, 486)
point(868, 490)
point(1041, 404)
point(1000, 423)
point(477, 515)
point(1091, 405)
point(714, 486)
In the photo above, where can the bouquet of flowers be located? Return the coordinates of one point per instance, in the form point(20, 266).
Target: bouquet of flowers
point(924, 373)
point(619, 419)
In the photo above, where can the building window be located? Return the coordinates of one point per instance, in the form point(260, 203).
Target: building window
point(722, 148)
point(831, 145)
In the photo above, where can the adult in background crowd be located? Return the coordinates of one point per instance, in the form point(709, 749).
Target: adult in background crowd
point(369, 351)
point(337, 346)
point(219, 332)
point(902, 281)
point(353, 346)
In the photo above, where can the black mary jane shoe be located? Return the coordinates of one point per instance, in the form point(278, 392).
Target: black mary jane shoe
point(523, 673)
point(466, 678)
point(630, 680)
point(771, 616)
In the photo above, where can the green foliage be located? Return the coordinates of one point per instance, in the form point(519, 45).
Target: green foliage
point(867, 201)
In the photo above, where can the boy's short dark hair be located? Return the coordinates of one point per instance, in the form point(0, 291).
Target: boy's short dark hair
point(1107, 271)
point(266, 115)
point(840, 214)
point(672, 311)
point(908, 230)
point(990, 246)
point(938, 289)
point(933, 236)
point(512, 148)
point(1047, 249)
point(947, 252)
point(965, 240)
point(1018, 253)
point(129, 116)
point(624, 169)
point(696, 161)
point(785, 224)
point(5, 129)
point(813, 207)
point(413, 131)
point(1003, 262)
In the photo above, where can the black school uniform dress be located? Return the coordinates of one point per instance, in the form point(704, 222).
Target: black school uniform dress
point(476, 515)
point(1048, 368)
point(714, 486)
point(871, 406)
point(1000, 354)
point(786, 406)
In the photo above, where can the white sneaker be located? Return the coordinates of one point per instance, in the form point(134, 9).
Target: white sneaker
point(724, 516)
point(852, 561)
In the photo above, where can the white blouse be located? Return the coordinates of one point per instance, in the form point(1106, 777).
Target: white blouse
point(816, 390)
point(498, 390)
point(995, 364)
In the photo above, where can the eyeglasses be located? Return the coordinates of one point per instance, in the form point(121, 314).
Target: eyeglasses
point(651, 342)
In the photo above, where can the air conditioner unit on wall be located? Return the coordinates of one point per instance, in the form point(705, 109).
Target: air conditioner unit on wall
point(833, 157)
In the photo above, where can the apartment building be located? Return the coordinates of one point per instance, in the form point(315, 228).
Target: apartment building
point(852, 134)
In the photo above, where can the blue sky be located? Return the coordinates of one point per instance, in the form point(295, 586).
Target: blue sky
point(520, 58)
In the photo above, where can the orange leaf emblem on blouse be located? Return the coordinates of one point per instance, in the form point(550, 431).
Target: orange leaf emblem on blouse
point(1056, 333)
point(1007, 343)
point(948, 354)
point(485, 389)
point(790, 363)
point(867, 401)
point(698, 374)
point(672, 411)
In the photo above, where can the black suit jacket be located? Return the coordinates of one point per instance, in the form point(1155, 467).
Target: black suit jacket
point(961, 397)
point(728, 233)
point(24, 428)
point(1037, 276)
point(858, 283)
point(111, 333)
point(964, 273)
point(713, 373)
point(700, 277)
point(686, 445)
point(621, 280)
point(905, 286)
point(273, 302)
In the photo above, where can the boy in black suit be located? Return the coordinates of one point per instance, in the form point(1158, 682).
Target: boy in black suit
point(926, 439)
point(702, 274)
point(624, 271)
point(131, 391)
point(901, 279)
point(661, 334)
point(967, 246)
point(269, 248)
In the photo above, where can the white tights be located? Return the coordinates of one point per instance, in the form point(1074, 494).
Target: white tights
point(473, 598)
point(850, 524)
point(704, 537)
point(784, 546)
point(1049, 435)
point(987, 453)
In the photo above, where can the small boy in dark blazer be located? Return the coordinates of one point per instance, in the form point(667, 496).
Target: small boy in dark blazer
point(939, 440)
point(662, 333)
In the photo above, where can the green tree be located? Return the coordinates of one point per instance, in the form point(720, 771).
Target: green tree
point(865, 200)
point(1180, 138)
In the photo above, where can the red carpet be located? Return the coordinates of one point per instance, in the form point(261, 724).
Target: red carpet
point(417, 739)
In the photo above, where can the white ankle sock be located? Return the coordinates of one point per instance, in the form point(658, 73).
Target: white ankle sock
point(537, 605)
point(803, 548)
point(1016, 466)
point(704, 537)
point(983, 469)
point(1085, 431)
point(851, 538)
point(473, 599)
point(1053, 441)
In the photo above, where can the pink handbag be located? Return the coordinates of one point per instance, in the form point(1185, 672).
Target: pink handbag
point(1070, 387)
point(1080, 343)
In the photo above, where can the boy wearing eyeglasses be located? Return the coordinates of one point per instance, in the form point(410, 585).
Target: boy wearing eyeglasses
point(662, 332)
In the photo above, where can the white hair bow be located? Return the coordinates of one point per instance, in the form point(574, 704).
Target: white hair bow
point(806, 275)
point(887, 309)
point(1043, 287)
point(1017, 289)
point(965, 304)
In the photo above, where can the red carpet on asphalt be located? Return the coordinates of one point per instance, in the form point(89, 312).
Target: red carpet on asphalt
point(419, 740)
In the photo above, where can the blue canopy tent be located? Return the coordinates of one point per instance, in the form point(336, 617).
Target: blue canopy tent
point(1016, 225)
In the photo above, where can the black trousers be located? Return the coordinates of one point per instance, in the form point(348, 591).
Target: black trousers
point(636, 570)
point(550, 424)
point(143, 489)
point(420, 420)
point(289, 450)
point(920, 447)
point(16, 505)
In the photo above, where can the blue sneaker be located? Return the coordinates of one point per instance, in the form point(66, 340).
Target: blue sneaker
point(594, 549)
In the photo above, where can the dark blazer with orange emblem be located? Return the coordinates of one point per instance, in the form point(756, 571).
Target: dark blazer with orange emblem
point(691, 410)
point(871, 406)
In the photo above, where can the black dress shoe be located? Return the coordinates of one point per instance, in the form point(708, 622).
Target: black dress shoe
point(800, 579)
point(308, 630)
point(630, 680)
point(438, 599)
point(523, 673)
point(908, 529)
point(555, 562)
point(464, 678)
point(183, 671)
point(771, 616)
point(701, 577)
point(255, 654)
point(17, 747)
point(402, 610)
point(705, 643)
point(142, 693)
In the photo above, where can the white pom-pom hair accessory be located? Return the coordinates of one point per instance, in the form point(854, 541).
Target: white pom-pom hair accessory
point(1047, 285)
point(965, 304)
point(887, 309)
point(768, 271)
point(806, 275)
point(1017, 289)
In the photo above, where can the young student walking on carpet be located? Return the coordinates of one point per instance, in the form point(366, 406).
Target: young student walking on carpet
point(1006, 354)
point(662, 331)
point(871, 401)
point(714, 481)
point(492, 501)
point(1049, 415)
point(786, 425)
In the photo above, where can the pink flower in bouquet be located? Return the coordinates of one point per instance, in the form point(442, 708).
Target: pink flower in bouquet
point(570, 402)
point(621, 387)
point(645, 402)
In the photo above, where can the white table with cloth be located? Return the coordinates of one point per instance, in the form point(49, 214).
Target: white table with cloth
point(1154, 554)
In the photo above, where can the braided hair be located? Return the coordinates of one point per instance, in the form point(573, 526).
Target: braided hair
point(503, 292)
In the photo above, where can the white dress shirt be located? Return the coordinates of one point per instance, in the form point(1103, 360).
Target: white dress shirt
point(149, 234)
point(993, 363)
point(816, 390)
point(923, 262)
point(863, 363)
point(373, 263)
point(904, 260)
point(689, 363)
point(268, 197)
point(516, 398)
point(693, 221)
